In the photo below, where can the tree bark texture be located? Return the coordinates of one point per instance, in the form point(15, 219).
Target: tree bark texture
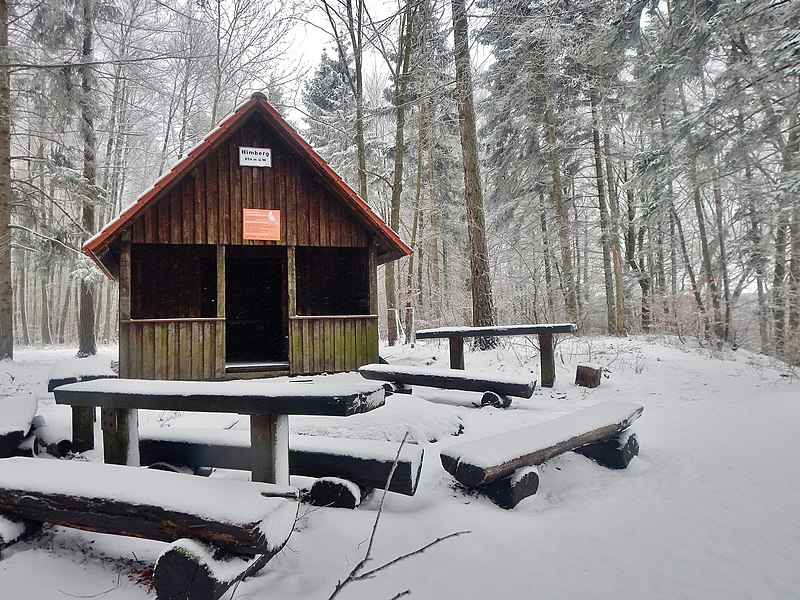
point(6, 290)
point(482, 304)
point(86, 310)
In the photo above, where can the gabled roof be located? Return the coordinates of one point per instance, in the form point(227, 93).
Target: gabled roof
point(390, 246)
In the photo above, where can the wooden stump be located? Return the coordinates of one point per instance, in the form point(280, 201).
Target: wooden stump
point(509, 491)
point(189, 570)
point(335, 492)
point(588, 375)
point(616, 453)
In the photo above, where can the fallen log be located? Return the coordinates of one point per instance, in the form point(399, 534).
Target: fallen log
point(190, 570)
point(480, 461)
point(451, 379)
point(236, 515)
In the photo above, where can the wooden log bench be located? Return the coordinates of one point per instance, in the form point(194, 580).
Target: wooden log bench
point(364, 462)
point(503, 466)
point(545, 332)
point(497, 387)
point(240, 524)
point(268, 404)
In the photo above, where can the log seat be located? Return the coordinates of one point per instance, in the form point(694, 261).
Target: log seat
point(366, 463)
point(243, 523)
point(599, 432)
point(496, 387)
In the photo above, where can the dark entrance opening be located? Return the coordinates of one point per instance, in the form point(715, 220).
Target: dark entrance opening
point(256, 312)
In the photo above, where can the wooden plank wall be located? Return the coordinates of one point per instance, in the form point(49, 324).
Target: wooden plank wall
point(205, 207)
point(190, 349)
point(328, 344)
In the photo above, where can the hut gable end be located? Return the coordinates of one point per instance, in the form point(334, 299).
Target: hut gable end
point(204, 205)
point(202, 199)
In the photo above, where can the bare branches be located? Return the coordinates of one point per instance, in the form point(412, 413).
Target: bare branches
point(357, 573)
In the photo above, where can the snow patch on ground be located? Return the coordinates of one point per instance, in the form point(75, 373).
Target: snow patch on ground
point(707, 510)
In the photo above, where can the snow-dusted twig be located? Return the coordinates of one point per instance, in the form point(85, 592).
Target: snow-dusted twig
point(370, 574)
point(355, 573)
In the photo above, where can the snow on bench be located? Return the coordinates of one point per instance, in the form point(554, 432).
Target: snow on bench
point(598, 432)
point(364, 462)
point(241, 524)
point(73, 370)
point(499, 384)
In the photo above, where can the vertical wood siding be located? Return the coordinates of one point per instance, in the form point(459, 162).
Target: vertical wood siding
point(205, 206)
point(332, 343)
point(190, 349)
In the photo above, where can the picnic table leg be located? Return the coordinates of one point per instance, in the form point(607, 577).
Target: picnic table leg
point(548, 363)
point(269, 447)
point(82, 428)
point(120, 436)
point(456, 352)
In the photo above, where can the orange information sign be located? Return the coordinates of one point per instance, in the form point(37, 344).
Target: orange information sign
point(260, 224)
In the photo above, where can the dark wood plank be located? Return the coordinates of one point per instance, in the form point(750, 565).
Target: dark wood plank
point(453, 379)
point(311, 398)
point(367, 463)
point(507, 330)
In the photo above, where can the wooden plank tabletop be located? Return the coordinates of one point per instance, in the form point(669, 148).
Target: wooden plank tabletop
point(503, 330)
point(306, 397)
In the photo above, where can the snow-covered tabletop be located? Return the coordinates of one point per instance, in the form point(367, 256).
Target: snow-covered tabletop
point(268, 403)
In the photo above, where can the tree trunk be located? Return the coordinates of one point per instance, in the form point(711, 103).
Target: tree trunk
point(605, 234)
point(616, 259)
point(86, 311)
point(399, 100)
point(6, 291)
point(482, 304)
point(567, 277)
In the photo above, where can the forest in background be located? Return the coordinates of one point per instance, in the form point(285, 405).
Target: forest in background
point(638, 161)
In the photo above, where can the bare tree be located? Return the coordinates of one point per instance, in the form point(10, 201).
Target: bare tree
point(482, 304)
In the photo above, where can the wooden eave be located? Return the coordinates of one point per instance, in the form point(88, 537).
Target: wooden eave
point(390, 245)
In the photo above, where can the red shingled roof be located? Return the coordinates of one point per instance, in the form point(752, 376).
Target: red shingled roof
point(391, 247)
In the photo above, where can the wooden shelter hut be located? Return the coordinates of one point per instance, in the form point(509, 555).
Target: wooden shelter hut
point(250, 257)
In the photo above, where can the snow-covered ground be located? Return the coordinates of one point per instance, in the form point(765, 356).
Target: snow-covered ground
point(710, 509)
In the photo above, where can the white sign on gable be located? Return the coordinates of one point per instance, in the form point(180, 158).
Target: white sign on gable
point(255, 157)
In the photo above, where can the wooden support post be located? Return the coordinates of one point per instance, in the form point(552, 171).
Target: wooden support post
point(82, 428)
point(547, 360)
point(120, 436)
point(269, 443)
point(456, 352)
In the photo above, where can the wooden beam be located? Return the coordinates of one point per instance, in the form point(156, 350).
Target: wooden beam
point(547, 360)
point(456, 352)
point(451, 379)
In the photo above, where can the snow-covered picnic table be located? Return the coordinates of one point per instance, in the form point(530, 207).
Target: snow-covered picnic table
point(545, 331)
point(267, 403)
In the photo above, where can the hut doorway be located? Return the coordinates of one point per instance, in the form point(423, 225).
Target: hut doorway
point(256, 311)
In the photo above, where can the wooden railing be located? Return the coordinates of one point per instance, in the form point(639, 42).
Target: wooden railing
point(331, 343)
point(189, 349)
